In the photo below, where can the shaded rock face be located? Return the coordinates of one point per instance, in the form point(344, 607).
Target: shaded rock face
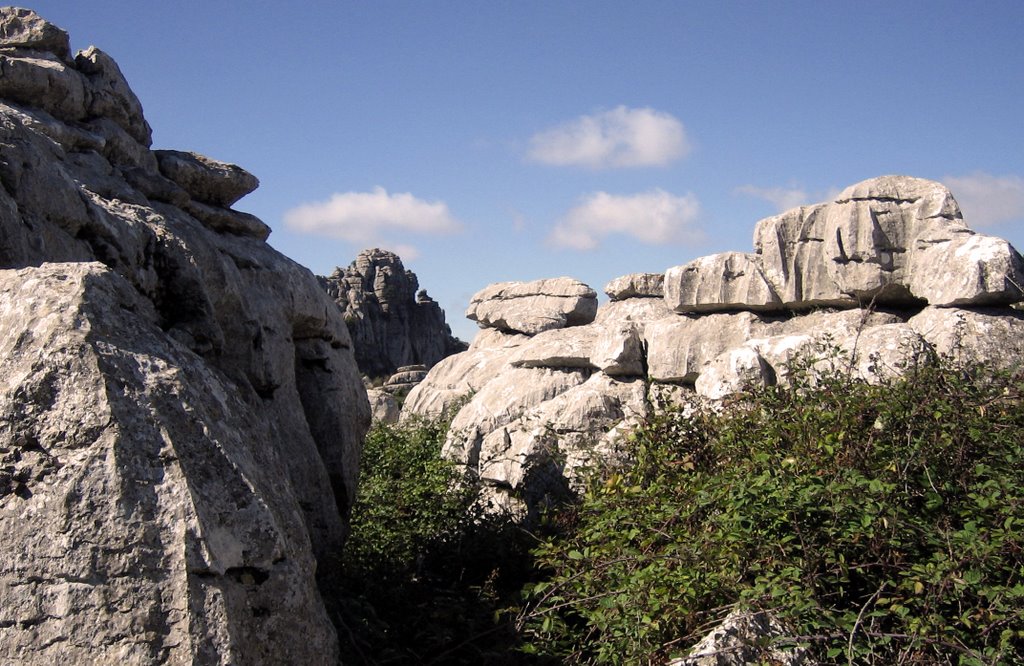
point(181, 414)
point(391, 321)
point(886, 272)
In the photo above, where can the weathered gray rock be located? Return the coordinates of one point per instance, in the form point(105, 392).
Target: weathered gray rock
point(679, 348)
point(24, 29)
point(109, 96)
point(206, 180)
point(746, 638)
point(44, 81)
point(733, 371)
point(991, 336)
point(145, 503)
point(181, 415)
point(532, 307)
point(384, 408)
point(535, 460)
point(720, 283)
point(967, 271)
point(393, 323)
point(636, 285)
point(556, 348)
point(618, 350)
point(455, 378)
point(892, 240)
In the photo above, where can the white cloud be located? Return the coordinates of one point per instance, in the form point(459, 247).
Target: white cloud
point(367, 217)
point(621, 137)
point(654, 217)
point(787, 198)
point(783, 198)
point(987, 200)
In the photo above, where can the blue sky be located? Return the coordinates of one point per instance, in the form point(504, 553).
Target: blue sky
point(490, 141)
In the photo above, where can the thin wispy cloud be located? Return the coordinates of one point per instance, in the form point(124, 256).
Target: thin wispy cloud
point(372, 218)
point(987, 200)
point(787, 198)
point(619, 138)
point(783, 198)
point(655, 217)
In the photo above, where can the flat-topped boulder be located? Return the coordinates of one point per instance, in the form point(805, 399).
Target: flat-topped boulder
point(719, 283)
point(636, 285)
point(532, 307)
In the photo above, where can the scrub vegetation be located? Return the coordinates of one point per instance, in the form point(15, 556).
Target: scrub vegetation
point(880, 523)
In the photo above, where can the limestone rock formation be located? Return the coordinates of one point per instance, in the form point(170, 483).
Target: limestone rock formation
point(181, 414)
point(392, 322)
point(893, 240)
point(636, 285)
point(533, 307)
point(720, 282)
point(870, 281)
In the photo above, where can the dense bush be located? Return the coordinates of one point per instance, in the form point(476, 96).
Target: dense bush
point(426, 576)
point(881, 523)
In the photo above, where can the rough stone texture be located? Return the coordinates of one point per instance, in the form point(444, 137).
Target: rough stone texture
point(618, 350)
point(24, 29)
point(893, 240)
point(741, 639)
point(544, 404)
point(181, 414)
point(992, 336)
point(636, 285)
point(718, 283)
point(383, 406)
point(456, 378)
point(732, 371)
point(557, 348)
point(206, 180)
point(679, 347)
point(532, 307)
point(392, 322)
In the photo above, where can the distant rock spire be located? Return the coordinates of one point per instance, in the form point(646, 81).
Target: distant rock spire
point(393, 323)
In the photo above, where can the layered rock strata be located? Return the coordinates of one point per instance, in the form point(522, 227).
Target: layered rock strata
point(180, 416)
point(392, 322)
point(884, 272)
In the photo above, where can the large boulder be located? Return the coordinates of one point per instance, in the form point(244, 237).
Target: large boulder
point(720, 283)
point(393, 323)
point(533, 307)
point(181, 416)
point(892, 240)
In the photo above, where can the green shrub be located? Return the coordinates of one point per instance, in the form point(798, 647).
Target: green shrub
point(426, 576)
point(882, 523)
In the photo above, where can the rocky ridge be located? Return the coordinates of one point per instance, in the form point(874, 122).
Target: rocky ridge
point(881, 273)
point(393, 323)
point(181, 414)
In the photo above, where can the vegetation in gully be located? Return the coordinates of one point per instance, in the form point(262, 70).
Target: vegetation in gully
point(879, 523)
